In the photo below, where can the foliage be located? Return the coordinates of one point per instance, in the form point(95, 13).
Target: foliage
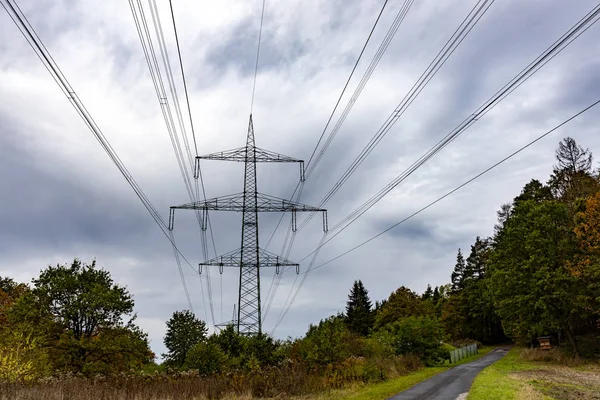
point(75, 313)
point(421, 336)
point(82, 298)
point(205, 357)
point(401, 304)
point(458, 275)
point(469, 310)
point(184, 331)
point(359, 316)
point(327, 343)
point(532, 287)
point(21, 357)
point(10, 292)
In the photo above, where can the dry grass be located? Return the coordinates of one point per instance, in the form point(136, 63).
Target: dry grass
point(282, 382)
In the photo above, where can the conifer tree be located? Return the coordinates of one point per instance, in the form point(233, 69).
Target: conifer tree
point(458, 274)
point(428, 293)
point(477, 260)
point(359, 317)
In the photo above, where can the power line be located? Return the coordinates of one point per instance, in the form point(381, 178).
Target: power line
point(148, 48)
point(34, 41)
point(187, 98)
point(558, 46)
point(583, 25)
point(469, 22)
point(262, 16)
point(276, 279)
point(460, 186)
point(311, 268)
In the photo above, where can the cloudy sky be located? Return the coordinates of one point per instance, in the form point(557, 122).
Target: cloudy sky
point(61, 197)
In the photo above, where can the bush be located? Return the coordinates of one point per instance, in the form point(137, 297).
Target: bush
point(21, 357)
point(206, 358)
point(421, 336)
point(328, 343)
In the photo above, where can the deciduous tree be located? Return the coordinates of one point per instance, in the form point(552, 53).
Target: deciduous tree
point(184, 330)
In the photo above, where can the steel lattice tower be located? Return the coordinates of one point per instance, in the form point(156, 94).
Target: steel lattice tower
point(249, 258)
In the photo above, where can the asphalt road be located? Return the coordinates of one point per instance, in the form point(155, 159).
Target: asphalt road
point(452, 384)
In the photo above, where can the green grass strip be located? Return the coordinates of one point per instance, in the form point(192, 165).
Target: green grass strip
point(383, 390)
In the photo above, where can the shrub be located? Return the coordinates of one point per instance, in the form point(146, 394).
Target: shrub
point(421, 336)
point(206, 358)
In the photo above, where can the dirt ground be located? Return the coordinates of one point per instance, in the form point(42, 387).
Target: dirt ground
point(562, 383)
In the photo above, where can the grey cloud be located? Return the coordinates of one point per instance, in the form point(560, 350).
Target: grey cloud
point(56, 214)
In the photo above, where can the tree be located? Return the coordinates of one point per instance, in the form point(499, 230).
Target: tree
point(401, 304)
point(533, 289)
point(421, 336)
point(206, 357)
point(572, 157)
point(184, 330)
point(477, 260)
point(82, 298)
point(10, 291)
point(229, 340)
point(435, 297)
point(458, 274)
point(428, 294)
point(359, 317)
point(77, 313)
point(468, 312)
point(503, 214)
point(327, 343)
point(586, 267)
point(572, 179)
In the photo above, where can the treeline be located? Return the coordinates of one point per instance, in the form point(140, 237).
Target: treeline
point(537, 275)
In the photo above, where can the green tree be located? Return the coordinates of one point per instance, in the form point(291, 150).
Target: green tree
point(533, 289)
point(401, 304)
point(458, 274)
point(327, 343)
point(478, 258)
point(10, 291)
point(421, 336)
point(206, 357)
point(359, 316)
point(184, 330)
point(230, 341)
point(82, 298)
point(428, 294)
point(77, 312)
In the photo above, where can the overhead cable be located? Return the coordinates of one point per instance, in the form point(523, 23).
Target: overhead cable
point(20, 20)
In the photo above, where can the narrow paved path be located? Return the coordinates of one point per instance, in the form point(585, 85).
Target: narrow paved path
point(452, 384)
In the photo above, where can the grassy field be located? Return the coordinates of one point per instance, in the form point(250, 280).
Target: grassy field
point(525, 374)
point(391, 387)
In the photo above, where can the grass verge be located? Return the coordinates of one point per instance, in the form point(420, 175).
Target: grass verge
point(383, 390)
point(520, 376)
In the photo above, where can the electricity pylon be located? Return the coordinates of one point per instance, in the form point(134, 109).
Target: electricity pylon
point(249, 258)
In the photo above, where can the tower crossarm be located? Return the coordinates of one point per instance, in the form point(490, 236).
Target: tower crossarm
point(234, 259)
point(235, 202)
point(239, 155)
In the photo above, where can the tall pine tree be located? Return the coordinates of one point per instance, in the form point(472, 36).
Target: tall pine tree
point(458, 274)
point(359, 317)
point(476, 262)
